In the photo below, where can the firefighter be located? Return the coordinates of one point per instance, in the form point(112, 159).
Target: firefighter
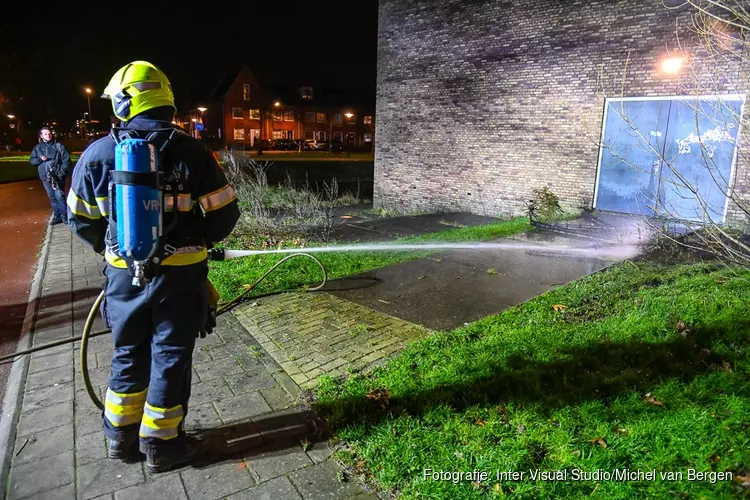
point(53, 162)
point(154, 326)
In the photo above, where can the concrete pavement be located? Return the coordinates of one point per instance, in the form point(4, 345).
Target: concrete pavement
point(267, 443)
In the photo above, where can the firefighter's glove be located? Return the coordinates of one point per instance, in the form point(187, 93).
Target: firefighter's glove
point(212, 298)
point(210, 323)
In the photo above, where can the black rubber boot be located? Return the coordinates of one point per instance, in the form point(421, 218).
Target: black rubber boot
point(170, 455)
point(125, 449)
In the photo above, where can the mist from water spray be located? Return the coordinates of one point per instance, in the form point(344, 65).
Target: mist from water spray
point(612, 252)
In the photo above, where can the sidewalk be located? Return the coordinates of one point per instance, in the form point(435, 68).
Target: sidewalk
point(268, 444)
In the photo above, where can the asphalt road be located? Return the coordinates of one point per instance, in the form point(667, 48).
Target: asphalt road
point(24, 213)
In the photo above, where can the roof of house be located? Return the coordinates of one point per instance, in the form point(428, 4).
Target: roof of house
point(224, 85)
point(291, 95)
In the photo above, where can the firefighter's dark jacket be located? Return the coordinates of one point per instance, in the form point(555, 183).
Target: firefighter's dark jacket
point(207, 204)
point(58, 159)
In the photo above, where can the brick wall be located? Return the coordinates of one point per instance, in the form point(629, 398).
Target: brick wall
point(480, 102)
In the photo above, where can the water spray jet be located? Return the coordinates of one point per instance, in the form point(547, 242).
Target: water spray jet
point(616, 252)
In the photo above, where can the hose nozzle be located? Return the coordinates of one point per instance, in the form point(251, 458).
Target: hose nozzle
point(216, 254)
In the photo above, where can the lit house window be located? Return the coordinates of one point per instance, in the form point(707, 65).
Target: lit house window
point(237, 113)
point(279, 134)
point(350, 117)
point(288, 116)
point(320, 135)
point(309, 117)
point(246, 92)
point(239, 134)
point(277, 116)
point(255, 114)
point(368, 120)
point(320, 117)
point(338, 118)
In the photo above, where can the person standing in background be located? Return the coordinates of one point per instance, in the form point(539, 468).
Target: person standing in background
point(53, 162)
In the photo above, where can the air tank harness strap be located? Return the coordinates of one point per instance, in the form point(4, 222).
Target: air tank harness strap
point(169, 184)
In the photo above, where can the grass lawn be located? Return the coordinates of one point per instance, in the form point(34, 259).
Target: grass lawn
point(645, 367)
point(230, 276)
point(11, 171)
point(18, 168)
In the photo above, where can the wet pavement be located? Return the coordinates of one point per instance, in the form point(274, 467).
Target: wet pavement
point(449, 289)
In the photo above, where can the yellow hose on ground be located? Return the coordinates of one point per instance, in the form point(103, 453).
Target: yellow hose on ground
point(223, 307)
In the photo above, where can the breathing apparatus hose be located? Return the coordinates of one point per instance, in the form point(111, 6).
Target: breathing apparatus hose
point(223, 307)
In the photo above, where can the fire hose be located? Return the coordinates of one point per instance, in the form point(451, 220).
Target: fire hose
point(87, 334)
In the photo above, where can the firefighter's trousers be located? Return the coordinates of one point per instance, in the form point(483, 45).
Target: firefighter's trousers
point(154, 329)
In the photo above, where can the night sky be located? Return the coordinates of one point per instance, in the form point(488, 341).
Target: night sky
point(47, 57)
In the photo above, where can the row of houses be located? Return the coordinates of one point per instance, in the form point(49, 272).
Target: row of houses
point(241, 111)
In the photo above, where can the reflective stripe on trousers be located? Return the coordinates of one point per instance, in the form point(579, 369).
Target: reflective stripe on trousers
point(124, 409)
point(161, 423)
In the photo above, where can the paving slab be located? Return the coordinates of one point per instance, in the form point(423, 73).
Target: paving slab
point(41, 475)
point(66, 492)
point(280, 488)
point(41, 399)
point(156, 488)
point(272, 463)
point(321, 482)
point(217, 481)
point(106, 476)
point(38, 445)
point(90, 448)
point(241, 407)
point(46, 418)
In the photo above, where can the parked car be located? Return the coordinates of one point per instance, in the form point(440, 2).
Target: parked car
point(336, 146)
point(285, 145)
point(316, 145)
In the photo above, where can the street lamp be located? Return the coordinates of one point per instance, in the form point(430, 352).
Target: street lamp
point(88, 98)
point(672, 65)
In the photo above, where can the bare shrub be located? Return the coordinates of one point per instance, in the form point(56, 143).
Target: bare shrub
point(280, 213)
point(545, 205)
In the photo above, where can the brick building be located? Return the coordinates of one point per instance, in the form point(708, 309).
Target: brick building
point(481, 102)
point(241, 110)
